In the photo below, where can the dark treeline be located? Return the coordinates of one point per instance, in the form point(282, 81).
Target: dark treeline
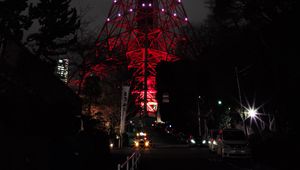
point(255, 37)
point(258, 39)
point(56, 33)
point(41, 124)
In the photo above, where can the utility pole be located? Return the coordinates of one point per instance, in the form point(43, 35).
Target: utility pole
point(199, 116)
point(146, 45)
point(124, 103)
point(240, 98)
point(205, 128)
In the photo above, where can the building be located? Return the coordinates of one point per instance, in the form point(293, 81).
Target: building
point(63, 69)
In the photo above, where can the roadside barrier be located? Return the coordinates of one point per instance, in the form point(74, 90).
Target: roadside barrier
point(131, 162)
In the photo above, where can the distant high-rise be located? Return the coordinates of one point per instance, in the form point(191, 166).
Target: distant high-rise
point(63, 69)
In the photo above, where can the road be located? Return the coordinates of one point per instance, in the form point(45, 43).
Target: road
point(178, 157)
point(167, 154)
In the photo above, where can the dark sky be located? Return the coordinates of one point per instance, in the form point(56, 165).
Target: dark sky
point(98, 10)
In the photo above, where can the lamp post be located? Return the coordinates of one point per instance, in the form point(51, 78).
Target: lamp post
point(251, 113)
point(199, 116)
point(240, 98)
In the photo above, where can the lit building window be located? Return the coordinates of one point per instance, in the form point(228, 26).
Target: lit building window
point(63, 69)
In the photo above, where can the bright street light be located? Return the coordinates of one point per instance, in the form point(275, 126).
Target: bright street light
point(252, 112)
point(219, 102)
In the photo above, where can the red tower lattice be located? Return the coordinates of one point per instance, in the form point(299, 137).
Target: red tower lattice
point(144, 33)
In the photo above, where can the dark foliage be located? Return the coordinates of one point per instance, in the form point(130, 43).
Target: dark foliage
point(257, 38)
point(12, 21)
point(58, 28)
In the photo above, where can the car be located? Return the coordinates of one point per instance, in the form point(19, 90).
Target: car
point(196, 141)
point(204, 141)
point(212, 140)
point(232, 143)
point(142, 140)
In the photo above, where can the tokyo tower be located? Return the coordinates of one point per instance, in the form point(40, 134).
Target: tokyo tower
point(141, 34)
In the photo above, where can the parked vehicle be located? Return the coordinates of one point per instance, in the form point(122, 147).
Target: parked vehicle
point(193, 141)
point(212, 140)
point(233, 143)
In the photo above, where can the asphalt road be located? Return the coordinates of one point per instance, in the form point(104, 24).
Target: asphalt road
point(167, 154)
point(182, 157)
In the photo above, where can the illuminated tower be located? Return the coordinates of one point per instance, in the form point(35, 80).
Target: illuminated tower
point(141, 34)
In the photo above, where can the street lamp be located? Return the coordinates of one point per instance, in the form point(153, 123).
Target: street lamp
point(240, 98)
point(252, 112)
point(219, 102)
point(199, 116)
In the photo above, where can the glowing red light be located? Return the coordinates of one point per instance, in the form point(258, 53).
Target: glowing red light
point(143, 40)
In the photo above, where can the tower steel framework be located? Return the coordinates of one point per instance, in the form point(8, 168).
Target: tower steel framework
point(144, 33)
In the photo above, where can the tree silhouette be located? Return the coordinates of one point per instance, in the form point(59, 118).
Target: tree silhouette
point(92, 91)
point(58, 25)
point(261, 34)
point(12, 21)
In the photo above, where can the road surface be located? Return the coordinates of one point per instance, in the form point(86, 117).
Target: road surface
point(168, 154)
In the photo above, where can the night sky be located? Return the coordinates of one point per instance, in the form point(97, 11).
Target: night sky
point(98, 10)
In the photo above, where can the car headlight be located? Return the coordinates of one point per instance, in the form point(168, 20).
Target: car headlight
point(147, 143)
point(215, 143)
point(193, 141)
point(136, 144)
point(203, 141)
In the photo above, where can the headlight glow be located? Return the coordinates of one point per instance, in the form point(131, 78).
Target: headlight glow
point(147, 143)
point(136, 144)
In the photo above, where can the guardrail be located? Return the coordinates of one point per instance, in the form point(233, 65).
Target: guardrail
point(131, 162)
